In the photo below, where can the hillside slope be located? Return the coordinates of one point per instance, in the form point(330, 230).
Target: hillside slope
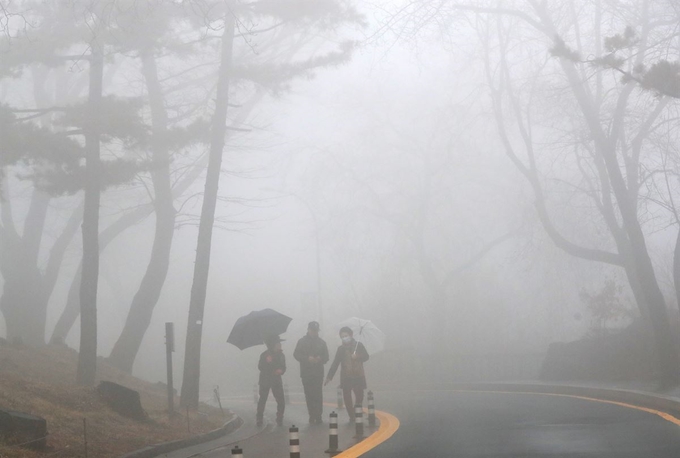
point(42, 382)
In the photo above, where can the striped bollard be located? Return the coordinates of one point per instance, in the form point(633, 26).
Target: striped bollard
point(294, 442)
point(341, 402)
point(237, 452)
point(359, 421)
point(371, 410)
point(256, 393)
point(333, 435)
point(286, 396)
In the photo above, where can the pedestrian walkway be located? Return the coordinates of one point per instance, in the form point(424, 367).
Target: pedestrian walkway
point(272, 441)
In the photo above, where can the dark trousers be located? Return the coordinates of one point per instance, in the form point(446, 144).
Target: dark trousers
point(277, 391)
point(313, 387)
point(358, 399)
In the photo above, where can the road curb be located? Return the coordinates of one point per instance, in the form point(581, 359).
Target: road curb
point(152, 451)
point(670, 405)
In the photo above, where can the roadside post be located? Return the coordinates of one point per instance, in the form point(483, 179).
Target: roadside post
point(371, 410)
point(294, 442)
point(333, 435)
point(359, 421)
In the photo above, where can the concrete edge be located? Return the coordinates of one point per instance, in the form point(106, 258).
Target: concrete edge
point(152, 451)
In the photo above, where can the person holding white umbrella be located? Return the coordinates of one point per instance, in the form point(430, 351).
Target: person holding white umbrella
point(350, 357)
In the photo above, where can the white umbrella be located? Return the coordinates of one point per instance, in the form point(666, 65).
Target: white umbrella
point(365, 332)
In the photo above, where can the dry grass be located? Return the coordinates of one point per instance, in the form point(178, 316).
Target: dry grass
point(41, 382)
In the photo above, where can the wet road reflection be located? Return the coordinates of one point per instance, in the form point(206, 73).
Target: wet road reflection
point(475, 424)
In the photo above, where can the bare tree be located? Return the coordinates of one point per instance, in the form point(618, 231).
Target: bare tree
point(598, 132)
point(608, 153)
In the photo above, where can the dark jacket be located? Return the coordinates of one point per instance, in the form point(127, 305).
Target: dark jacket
point(311, 346)
point(351, 370)
point(268, 374)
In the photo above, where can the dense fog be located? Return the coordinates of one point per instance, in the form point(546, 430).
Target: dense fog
point(444, 178)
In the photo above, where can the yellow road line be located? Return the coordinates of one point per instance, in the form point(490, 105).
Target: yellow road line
point(388, 426)
point(389, 423)
point(664, 415)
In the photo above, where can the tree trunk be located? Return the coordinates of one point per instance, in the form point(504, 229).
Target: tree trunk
point(669, 363)
point(676, 270)
point(24, 305)
point(71, 311)
point(27, 287)
point(139, 317)
point(72, 308)
point(87, 360)
point(668, 366)
point(192, 356)
point(24, 298)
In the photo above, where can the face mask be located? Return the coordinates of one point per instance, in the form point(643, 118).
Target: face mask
point(346, 339)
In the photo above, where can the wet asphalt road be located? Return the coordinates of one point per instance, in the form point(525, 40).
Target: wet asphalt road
point(474, 424)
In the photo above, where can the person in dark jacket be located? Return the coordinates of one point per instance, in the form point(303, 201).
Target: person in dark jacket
point(272, 366)
point(350, 356)
point(312, 353)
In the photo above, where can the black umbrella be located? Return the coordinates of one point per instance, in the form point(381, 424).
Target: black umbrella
point(253, 328)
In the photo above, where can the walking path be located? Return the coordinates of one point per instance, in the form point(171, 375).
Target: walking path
point(272, 441)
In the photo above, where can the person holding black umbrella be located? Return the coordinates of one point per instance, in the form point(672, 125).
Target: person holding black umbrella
point(312, 353)
point(272, 366)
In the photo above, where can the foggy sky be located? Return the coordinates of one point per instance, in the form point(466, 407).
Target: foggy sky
point(376, 116)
